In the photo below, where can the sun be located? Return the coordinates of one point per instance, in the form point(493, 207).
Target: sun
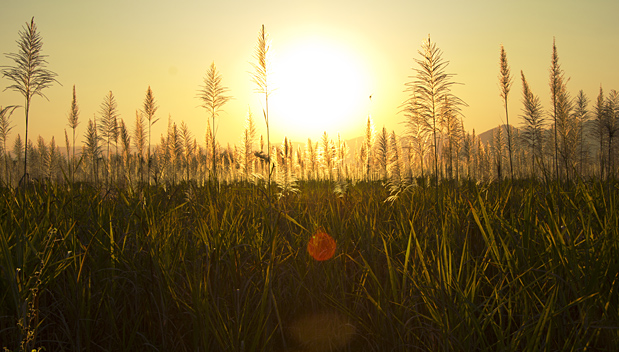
point(320, 85)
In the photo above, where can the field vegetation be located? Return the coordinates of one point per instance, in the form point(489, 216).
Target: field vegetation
point(444, 241)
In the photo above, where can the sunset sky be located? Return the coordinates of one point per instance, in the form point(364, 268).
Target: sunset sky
point(328, 58)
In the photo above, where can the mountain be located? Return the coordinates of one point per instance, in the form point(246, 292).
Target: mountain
point(487, 136)
point(589, 127)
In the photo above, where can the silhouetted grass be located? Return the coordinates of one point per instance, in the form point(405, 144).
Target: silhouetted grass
point(207, 268)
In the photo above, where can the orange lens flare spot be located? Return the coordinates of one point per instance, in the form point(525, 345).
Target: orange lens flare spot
point(321, 246)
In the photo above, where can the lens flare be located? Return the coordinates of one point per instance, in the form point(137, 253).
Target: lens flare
point(321, 246)
point(326, 331)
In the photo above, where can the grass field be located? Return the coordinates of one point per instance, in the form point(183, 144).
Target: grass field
point(457, 267)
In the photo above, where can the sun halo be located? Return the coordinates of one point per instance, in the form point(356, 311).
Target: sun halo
point(319, 86)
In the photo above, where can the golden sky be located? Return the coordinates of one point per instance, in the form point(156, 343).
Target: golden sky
point(335, 54)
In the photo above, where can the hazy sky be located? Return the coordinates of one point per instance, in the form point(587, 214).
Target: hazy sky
point(126, 46)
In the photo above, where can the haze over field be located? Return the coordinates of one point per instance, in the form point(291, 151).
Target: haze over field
point(329, 57)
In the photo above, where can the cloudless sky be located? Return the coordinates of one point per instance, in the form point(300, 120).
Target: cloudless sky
point(125, 46)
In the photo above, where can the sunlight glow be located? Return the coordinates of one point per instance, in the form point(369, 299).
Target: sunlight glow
point(320, 86)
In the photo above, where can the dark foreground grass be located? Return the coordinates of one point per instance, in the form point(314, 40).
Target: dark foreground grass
point(459, 268)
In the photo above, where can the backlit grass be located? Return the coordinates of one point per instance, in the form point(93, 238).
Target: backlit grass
point(190, 268)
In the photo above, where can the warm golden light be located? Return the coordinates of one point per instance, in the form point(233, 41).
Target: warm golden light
point(320, 86)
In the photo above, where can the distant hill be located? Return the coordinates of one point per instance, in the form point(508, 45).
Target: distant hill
point(487, 136)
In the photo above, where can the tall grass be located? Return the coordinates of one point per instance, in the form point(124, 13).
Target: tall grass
point(192, 268)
